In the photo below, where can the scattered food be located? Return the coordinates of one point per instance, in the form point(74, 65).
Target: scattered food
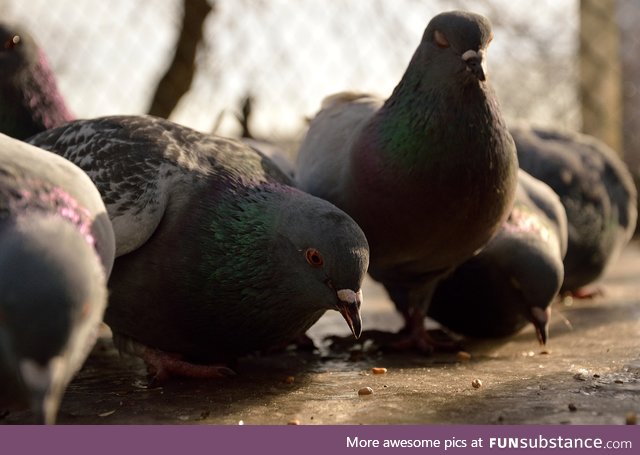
point(476, 383)
point(289, 380)
point(572, 407)
point(293, 422)
point(365, 391)
point(378, 370)
point(463, 356)
point(545, 352)
point(631, 418)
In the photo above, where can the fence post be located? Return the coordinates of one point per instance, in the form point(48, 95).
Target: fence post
point(600, 72)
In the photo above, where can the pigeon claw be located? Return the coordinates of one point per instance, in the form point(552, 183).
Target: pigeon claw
point(163, 365)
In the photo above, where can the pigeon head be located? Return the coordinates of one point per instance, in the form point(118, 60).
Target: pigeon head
point(52, 297)
point(328, 255)
point(17, 50)
point(458, 41)
point(535, 276)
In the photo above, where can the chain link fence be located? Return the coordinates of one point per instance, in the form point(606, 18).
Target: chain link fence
point(287, 55)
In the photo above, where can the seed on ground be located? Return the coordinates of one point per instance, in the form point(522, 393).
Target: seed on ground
point(463, 356)
point(631, 418)
point(476, 383)
point(365, 391)
point(378, 370)
point(293, 422)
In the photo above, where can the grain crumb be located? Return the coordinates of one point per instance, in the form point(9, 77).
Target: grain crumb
point(289, 380)
point(463, 356)
point(476, 383)
point(365, 391)
point(293, 422)
point(631, 418)
point(378, 370)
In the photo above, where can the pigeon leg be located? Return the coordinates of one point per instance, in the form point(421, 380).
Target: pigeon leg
point(163, 365)
point(415, 336)
point(587, 292)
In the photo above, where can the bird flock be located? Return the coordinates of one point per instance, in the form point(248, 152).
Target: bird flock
point(197, 249)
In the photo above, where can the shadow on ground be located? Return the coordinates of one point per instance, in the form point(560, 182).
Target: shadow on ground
point(589, 373)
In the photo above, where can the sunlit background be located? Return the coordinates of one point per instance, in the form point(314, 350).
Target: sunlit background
point(288, 54)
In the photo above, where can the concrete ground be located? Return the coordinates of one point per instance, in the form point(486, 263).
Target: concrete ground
point(589, 373)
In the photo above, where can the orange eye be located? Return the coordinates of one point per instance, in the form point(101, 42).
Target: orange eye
point(440, 39)
point(314, 258)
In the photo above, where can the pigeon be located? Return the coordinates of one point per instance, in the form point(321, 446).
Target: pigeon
point(218, 255)
point(57, 248)
point(29, 98)
point(429, 174)
point(517, 275)
point(597, 191)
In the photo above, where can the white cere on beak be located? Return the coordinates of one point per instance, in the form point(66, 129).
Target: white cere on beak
point(35, 376)
point(348, 296)
point(480, 55)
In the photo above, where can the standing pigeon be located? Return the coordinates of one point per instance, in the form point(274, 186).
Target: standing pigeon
point(516, 277)
point(596, 189)
point(56, 251)
point(429, 174)
point(219, 255)
point(29, 98)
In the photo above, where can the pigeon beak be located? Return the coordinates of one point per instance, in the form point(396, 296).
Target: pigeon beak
point(540, 319)
point(475, 63)
point(349, 307)
point(39, 381)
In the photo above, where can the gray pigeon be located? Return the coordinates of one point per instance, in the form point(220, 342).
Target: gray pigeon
point(429, 174)
point(516, 277)
point(596, 189)
point(29, 98)
point(56, 251)
point(219, 255)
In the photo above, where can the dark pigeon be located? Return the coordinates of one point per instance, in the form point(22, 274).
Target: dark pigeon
point(29, 98)
point(596, 189)
point(219, 255)
point(56, 251)
point(429, 174)
point(516, 277)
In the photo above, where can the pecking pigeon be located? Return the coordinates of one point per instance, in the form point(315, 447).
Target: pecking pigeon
point(429, 174)
point(517, 275)
point(29, 98)
point(219, 255)
point(596, 189)
point(56, 251)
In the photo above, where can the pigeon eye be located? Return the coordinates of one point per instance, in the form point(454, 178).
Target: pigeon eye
point(12, 42)
point(314, 258)
point(440, 39)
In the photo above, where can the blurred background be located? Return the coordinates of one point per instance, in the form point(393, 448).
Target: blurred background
point(262, 67)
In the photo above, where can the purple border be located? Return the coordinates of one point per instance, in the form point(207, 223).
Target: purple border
point(306, 440)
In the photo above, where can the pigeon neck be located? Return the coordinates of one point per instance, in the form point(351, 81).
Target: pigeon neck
point(420, 125)
point(31, 102)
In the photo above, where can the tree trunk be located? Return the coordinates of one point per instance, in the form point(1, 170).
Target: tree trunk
point(600, 72)
point(177, 80)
